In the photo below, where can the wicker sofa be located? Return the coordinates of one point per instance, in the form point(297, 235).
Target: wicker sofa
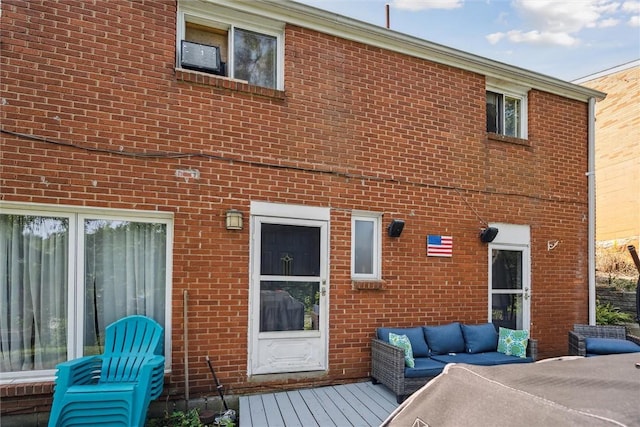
point(593, 340)
point(434, 347)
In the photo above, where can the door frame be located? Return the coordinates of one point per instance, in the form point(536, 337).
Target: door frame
point(293, 215)
point(513, 237)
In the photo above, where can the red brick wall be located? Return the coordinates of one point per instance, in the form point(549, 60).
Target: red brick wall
point(357, 127)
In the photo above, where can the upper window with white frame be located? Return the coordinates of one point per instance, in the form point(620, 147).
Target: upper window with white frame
point(507, 112)
point(365, 246)
point(228, 43)
point(69, 272)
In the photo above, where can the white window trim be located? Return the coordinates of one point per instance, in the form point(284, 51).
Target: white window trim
point(76, 214)
point(517, 92)
point(376, 219)
point(222, 18)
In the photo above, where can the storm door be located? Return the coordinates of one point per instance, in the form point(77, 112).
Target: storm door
point(288, 290)
point(509, 287)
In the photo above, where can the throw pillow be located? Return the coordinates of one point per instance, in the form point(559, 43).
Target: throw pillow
point(403, 342)
point(513, 342)
point(480, 338)
point(415, 335)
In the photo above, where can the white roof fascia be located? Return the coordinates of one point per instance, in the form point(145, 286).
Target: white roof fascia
point(351, 29)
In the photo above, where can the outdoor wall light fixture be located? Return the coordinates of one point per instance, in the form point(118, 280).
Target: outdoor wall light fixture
point(488, 234)
point(395, 228)
point(234, 219)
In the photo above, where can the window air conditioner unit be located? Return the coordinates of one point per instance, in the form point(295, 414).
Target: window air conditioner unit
point(200, 57)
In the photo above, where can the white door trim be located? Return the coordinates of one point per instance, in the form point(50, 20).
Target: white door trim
point(301, 340)
point(282, 210)
point(515, 238)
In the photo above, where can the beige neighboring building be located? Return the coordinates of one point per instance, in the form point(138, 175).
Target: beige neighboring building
point(617, 152)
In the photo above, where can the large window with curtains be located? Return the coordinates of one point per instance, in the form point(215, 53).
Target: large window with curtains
point(65, 274)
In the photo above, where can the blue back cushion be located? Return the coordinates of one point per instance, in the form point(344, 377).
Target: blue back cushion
point(415, 335)
point(444, 339)
point(480, 338)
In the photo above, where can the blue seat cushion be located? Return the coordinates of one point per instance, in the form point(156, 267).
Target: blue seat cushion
point(480, 338)
point(488, 358)
point(415, 335)
point(444, 339)
point(424, 367)
point(456, 358)
point(610, 346)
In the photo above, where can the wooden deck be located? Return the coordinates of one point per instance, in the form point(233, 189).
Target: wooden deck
point(359, 405)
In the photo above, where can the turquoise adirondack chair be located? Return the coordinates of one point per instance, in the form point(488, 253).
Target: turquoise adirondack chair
point(115, 388)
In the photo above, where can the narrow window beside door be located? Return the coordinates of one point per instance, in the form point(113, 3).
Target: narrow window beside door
point(365, 246)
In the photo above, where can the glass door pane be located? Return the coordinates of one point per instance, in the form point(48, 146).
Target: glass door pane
point(290, 277)
point(507, 310)
point(290, 250)
point(506, 288)
point(506, 269)
point(289, 306)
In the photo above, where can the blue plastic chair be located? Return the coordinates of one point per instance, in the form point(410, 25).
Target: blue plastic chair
point(115, 388)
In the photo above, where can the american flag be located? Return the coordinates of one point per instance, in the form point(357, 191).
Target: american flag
point(439, 245)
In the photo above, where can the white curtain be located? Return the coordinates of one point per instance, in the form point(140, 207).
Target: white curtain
point(125, 274)
point(33, 292)
point(125, 265)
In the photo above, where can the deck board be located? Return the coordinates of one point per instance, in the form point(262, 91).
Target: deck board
point(287, 410)
point(348, 414)
point(358, 405)
point(319, 412)
point(274, 418)
point(303, 412)
point(366, 400)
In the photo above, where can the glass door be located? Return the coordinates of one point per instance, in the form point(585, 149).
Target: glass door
point(288, 288)
point(509, 290)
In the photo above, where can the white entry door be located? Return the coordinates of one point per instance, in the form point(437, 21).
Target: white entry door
point(288, 291)
point(509, 278)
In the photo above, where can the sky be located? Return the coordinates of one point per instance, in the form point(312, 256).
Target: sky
point(566, 39)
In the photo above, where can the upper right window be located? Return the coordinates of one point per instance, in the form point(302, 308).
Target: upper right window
point(506, 114)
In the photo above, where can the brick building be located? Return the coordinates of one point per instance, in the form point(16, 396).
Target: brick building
point(617, 153)
point(242, 194)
